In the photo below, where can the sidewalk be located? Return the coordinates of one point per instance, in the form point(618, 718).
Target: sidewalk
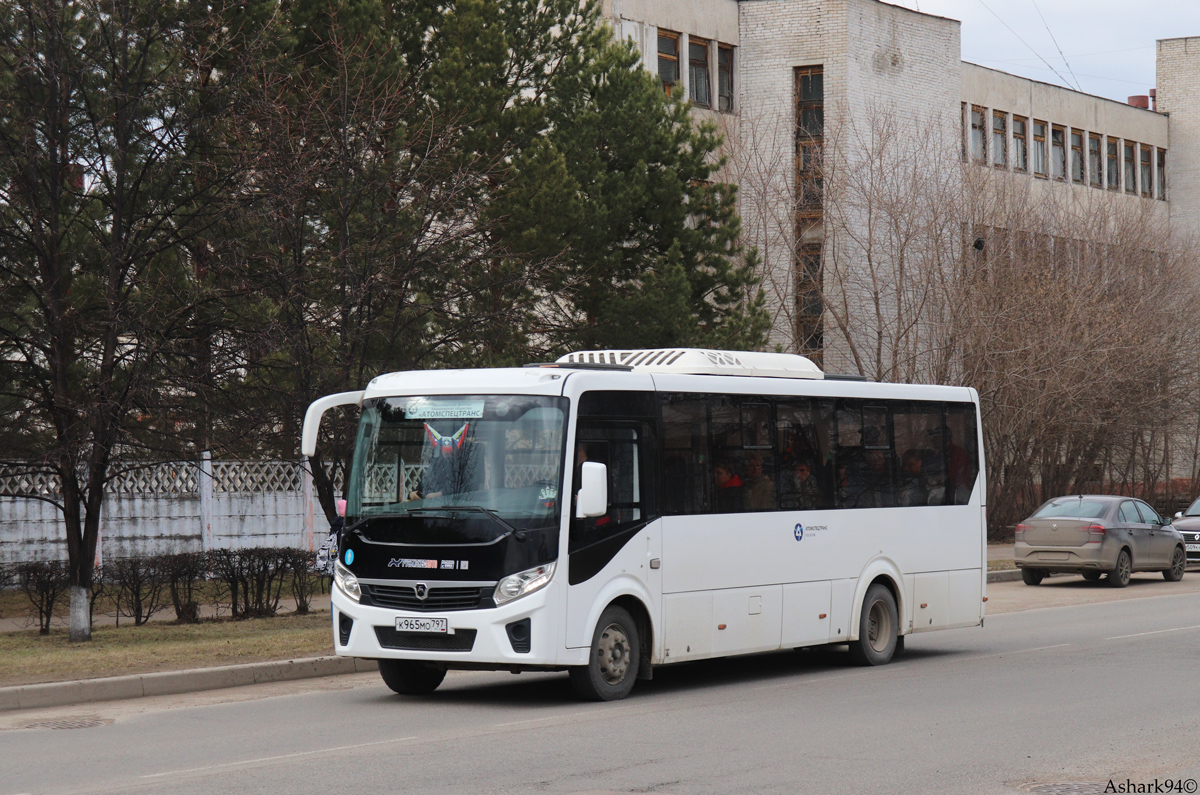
point(1000, 552)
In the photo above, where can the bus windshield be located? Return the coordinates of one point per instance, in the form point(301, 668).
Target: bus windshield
point(493, 462)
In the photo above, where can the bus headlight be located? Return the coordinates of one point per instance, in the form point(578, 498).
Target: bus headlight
point(346, 580)
point(517, 585)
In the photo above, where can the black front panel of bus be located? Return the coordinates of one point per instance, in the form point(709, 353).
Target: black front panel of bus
point(515, 552)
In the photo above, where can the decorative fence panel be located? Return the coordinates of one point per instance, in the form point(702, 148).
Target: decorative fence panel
point(166, 507)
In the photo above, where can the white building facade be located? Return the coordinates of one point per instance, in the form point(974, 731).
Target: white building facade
point(781, 76)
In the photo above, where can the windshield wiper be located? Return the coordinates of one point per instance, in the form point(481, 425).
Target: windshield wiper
point(469, 509)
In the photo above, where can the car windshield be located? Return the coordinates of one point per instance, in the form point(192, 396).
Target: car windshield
point(488, 461)
point(1074, 507)
point(1194, 510)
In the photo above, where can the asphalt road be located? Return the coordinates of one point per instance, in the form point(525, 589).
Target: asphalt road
point(1083, 693)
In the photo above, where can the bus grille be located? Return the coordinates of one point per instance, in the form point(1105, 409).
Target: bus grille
point(461, 640)
point(404, 597)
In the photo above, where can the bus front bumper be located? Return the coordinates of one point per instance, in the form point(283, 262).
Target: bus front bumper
point(495, 637)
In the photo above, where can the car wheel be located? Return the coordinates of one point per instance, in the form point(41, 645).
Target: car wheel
point(1119, 577)
point(1178, 565)
point(410, 678)
point(877, 628)
point(613, 666)
point(1092, 576)
point(1032, 576)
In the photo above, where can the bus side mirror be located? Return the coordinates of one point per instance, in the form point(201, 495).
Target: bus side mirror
point(592, 497)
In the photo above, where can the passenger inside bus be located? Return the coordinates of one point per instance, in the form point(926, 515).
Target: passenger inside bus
point(759, 488)
point(800, 490)
point(730, 493)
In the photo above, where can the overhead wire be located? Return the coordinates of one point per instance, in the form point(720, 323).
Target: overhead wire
point(1060, 52)
point(1027, 44)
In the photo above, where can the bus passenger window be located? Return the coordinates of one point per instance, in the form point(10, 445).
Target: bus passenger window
point(921, 476)
point(864, 457)
point(962, 452)
point(803, 432)
point(686, 476)
point(729, 465)
point(744, 467)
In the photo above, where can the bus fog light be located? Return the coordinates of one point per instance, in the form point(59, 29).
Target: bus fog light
point(526, 582)
point(346, 580)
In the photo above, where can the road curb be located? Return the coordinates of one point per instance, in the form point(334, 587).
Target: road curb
point(1005, 575)
point(193, 680)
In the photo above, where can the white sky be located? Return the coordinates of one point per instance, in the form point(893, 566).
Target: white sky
point(1109, 44)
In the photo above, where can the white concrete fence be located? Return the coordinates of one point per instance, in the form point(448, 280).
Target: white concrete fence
point(187, 506)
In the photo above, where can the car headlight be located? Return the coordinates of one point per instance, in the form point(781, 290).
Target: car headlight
point(346, 580)
point(526, 582)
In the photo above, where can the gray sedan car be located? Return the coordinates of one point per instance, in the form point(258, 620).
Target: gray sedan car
point(1095, 535)
point(1188, 525)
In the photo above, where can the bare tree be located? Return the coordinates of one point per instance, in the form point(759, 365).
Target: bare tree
point(1074, 314)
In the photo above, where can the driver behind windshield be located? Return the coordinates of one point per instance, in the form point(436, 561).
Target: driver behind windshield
point(450, 467)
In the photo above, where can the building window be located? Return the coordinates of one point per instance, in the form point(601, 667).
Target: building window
point(1058, 153)
point(1162, 174)
point(1020, 151)
point(978, 135)
point(1095, 162)
point(698, 83)
point(1130, 168)
point(1039, 148)
point(1147, 188)
point(810, 101)
point(1077, 174)
point(668, 60)
point(1114, 167)
point(725, 79)
point(809, 305)
point(999, 139)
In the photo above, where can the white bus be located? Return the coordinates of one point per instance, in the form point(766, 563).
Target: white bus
point(616, 511)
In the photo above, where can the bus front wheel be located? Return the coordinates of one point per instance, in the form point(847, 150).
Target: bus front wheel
point(877, 628)
point(409, 678)
point(613, 663)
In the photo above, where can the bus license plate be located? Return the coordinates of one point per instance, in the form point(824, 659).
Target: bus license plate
point(1193, 547)
point(439, 625)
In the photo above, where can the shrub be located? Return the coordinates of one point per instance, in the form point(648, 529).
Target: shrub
point(141, 586)
point(251, 580)
point(304, 580)
point(44, 583)
point(182, 572)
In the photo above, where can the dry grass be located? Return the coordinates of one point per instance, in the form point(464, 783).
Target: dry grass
point(26, 657)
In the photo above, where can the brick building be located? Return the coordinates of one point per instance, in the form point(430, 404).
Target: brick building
point(778, 75)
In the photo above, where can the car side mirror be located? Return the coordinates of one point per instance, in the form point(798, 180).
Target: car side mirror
point(1179, 514)
point(592, 497)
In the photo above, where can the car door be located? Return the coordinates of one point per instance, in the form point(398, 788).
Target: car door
point(1139, 534)
point(1162, 542)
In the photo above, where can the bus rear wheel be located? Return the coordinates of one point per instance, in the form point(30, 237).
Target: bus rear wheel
point(613, 663)
point(410, 678)
point(877, 628)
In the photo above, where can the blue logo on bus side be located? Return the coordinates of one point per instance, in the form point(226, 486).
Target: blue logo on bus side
point(349, 556)
point(799, 532)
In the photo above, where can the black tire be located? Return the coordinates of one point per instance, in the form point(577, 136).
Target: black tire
point(409, 678)
point(1032, 576)
point(1092, 576)
point(1178, 566)
point(877, 628)
point(613, 663)
point(1119, 577)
